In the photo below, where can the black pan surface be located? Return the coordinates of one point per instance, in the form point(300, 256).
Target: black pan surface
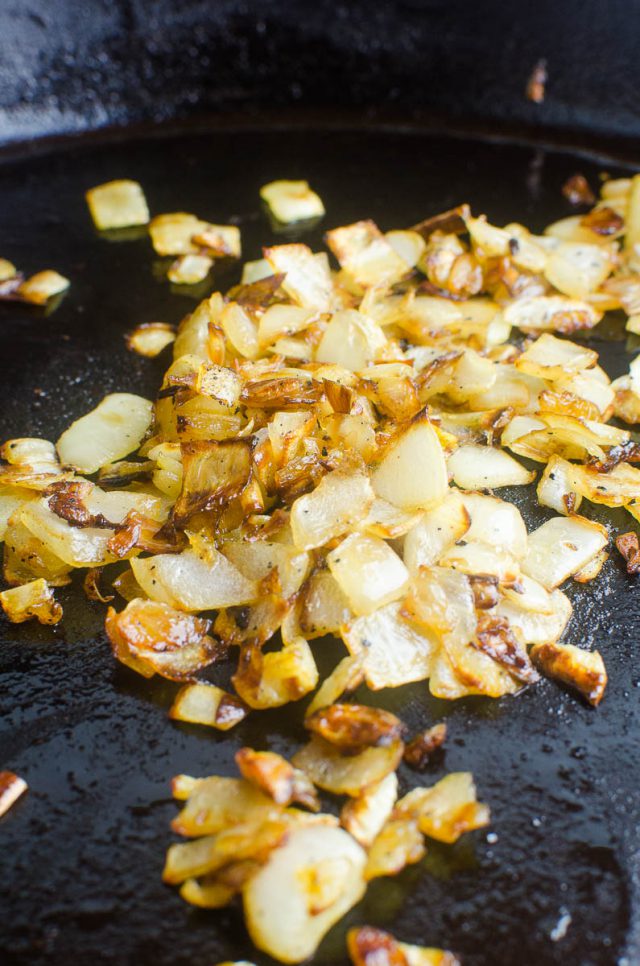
point(556, 878)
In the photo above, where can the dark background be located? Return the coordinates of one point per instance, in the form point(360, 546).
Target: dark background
point(69, 64)
point(253, 91)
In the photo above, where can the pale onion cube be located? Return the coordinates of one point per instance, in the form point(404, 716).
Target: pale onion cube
point(369, 572)
point(42, 286)
point(117, 204)
point(172, 234)
point(150, 338)
point(412, 473)
point(189, 269)
point(291, 201)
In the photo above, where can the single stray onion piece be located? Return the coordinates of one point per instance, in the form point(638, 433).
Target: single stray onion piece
point(11, 788)
point(291, 201)
point(117, 204)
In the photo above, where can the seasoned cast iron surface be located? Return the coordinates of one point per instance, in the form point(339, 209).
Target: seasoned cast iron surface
point(82, 852)
point(67, 65)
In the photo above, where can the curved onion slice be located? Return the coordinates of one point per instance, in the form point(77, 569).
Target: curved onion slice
point(11, 788)
point(320, 871)
point(109, 432)
point(347, 774)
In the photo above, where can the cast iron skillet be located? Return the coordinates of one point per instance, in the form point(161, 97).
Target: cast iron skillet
point(83, 851)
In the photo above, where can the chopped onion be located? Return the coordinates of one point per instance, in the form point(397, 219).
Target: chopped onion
point(117, 204)
point(109, 432)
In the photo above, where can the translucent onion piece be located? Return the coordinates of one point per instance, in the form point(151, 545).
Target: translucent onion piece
point(109, 432)
point(208, 705)
point(117, 204)
point(561, 547)
point(412, 473)
point(393, 652)
point(336, 505)
point(347, 774)
point(191, 582)
point(34, 599)
point(446, 810)
point(484, 467)
point(291, 201)
point(368, 572)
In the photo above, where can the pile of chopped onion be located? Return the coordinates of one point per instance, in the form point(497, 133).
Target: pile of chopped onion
point(300, 871)
point(322, 459)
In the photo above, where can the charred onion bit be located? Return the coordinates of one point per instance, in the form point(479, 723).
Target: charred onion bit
point(369, 946)
point(577, 191)
point(495, 638)
point(603, 220)
point(153, 638)
point(536, 85)
point(629, 547)
point(274, 775)
point(11, 788)
point(422, 748)
point(354, 727)
point(580, 669)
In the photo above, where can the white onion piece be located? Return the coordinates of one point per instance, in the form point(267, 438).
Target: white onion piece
point(351, 340)
point(191, 583)
point(496, 523)
point(532, 627)
point(437, 530)
point(111, 431)
point(412, 473)
point(368, 572)
point(475, 467)
point(561, 547)
point(394, 652)
point(336, 505)
point(577, 269)
point(364, 816)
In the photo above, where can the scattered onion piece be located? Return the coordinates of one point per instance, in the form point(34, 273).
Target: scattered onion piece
point(34, 599)
point(117, 204)
point(11, 788)
point(42, 286)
